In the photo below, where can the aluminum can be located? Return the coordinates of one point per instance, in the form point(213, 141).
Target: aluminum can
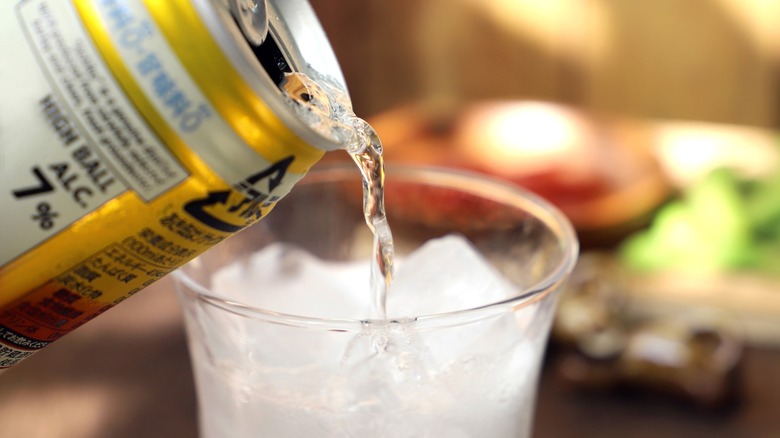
point(134, 135)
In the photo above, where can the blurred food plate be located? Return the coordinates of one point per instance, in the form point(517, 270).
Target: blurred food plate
point(600, 171)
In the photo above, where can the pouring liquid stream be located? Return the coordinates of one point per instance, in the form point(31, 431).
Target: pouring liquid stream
point(327, 110)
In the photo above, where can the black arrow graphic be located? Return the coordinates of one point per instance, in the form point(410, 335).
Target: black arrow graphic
point(197, 210)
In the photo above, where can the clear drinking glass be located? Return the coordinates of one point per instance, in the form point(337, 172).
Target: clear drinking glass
point(271, 359)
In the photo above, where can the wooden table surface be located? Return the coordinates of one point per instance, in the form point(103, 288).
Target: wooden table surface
point(127, 375)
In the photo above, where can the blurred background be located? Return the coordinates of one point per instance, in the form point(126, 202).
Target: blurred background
point(652, 125)
point(682, 59)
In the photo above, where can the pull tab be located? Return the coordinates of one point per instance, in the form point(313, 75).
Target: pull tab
point(252, 18)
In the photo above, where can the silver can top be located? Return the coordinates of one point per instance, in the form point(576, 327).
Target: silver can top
point(266, 40)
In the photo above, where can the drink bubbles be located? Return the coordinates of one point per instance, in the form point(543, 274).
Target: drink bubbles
point(394, 377)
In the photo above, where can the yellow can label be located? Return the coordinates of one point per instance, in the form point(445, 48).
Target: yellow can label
point(121, 157)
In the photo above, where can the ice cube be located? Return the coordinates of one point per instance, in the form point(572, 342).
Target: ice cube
point(286, 279)
point(392, 377)
point(449, 274)
point(444, 275)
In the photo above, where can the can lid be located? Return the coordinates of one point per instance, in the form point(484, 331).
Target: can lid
point(252, 18)
point(295, 42)
point(295, 26)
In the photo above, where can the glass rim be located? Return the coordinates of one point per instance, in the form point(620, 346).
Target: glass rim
point(484, 185)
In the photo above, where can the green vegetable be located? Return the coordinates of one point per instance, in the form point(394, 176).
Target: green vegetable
point(720, 223)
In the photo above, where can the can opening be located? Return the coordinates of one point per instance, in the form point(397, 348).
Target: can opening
point(294, 43)
point(272, 59)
